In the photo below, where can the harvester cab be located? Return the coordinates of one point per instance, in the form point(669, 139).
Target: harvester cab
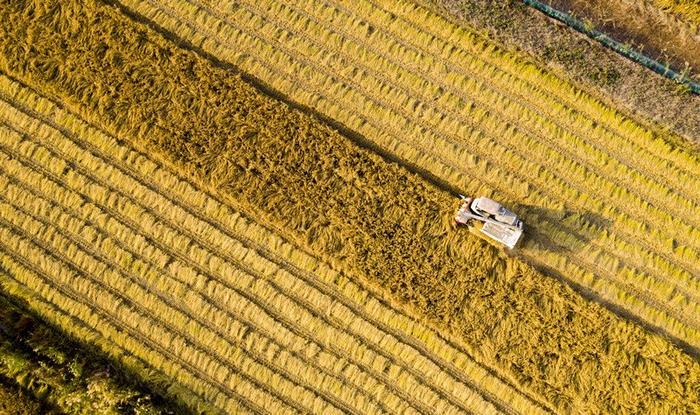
point(491, 219)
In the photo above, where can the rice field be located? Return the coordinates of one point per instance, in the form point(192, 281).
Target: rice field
point(613, 208)
point(241, 255)
point(228, 309)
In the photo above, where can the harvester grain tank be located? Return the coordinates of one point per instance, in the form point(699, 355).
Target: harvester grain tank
point(491, 219)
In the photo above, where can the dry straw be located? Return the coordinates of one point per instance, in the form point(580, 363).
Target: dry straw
point(367, 217)
point(476, 118)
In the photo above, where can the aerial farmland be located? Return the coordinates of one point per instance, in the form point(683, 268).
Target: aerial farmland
point(349, 206)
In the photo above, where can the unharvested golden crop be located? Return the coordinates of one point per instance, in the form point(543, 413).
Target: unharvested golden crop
point(688, 10)
point(349, 207)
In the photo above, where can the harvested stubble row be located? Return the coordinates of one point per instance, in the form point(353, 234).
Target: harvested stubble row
point(612, 207)
point(370, 218)
point(70, 184)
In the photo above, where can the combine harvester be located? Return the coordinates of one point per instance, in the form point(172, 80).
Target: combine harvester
point(491, 218)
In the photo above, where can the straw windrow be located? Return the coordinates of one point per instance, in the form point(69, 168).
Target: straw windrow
point(177, 281)
point(614, 208)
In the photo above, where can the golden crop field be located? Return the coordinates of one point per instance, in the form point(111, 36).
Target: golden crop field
point(612, 207)
point(688, 10)
point(242, 255)
point(105, 237)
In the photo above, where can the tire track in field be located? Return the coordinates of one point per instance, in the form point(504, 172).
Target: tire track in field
point(506, 88)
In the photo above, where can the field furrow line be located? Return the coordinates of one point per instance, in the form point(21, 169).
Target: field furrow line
point(638, 279)
point(687, 252)
point(278, 314)
point(101, 335)
point(190, 263)
point(194, 298)
point(144, 286)
point(165, 263)
point(377, 349)
point(657, 319)
point(145, 174)
point(74, 246)
point(439, 390)
point(287, 15)
point(69, 262)
point(576, 101)
point(660, 273)
point(78, 291)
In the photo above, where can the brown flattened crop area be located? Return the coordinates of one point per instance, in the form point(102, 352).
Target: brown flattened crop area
point(369, 217)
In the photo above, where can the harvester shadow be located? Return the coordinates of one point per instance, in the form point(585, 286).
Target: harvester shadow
point(580, 227)
point(577, 224)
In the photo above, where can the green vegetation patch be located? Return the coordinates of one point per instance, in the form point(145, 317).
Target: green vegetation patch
point(61, 377)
